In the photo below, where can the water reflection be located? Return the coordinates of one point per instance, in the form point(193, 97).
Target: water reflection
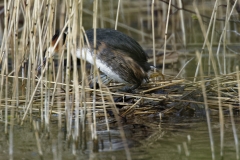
point(173, 138)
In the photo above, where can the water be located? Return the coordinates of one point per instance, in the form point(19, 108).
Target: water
point(175, 138)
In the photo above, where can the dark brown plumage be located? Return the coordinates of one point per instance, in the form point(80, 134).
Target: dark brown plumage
point(118, 56)
point(122, 54)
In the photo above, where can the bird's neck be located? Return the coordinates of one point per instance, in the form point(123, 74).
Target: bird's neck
point(85, 54)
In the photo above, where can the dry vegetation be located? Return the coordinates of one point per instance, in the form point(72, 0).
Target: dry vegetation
point(63, 89)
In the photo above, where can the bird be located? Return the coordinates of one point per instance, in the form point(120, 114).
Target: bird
point(118, 56)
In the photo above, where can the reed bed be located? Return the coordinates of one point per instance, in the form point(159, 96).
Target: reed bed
point(63, 89)
point(162, 96)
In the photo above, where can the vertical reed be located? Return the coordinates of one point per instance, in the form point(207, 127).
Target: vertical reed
point(206, 108)
point(153, 36)
point(117, 14)
point(165, 36)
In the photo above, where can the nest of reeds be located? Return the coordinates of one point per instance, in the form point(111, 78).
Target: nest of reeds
point(154, 100)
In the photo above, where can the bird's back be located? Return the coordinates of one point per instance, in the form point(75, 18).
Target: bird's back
point(118, 41)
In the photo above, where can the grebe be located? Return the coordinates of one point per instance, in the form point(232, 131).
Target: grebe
point(118, 56)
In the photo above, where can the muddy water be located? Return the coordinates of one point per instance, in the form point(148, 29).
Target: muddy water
point(175, 138)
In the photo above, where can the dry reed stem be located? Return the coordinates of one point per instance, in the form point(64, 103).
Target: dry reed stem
point(153, 36)
point(36, 129)
point(221, 117)
point(212, 36)
point(182, 23)
point(206, 41)
point(95, 70)
point(130, 108)
point(165, 37)
point(186, 63)
point(234, 132)
point(116, 23)
point(224, 38)
point(169, 84)
point(221, 37)
point(206, 109)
